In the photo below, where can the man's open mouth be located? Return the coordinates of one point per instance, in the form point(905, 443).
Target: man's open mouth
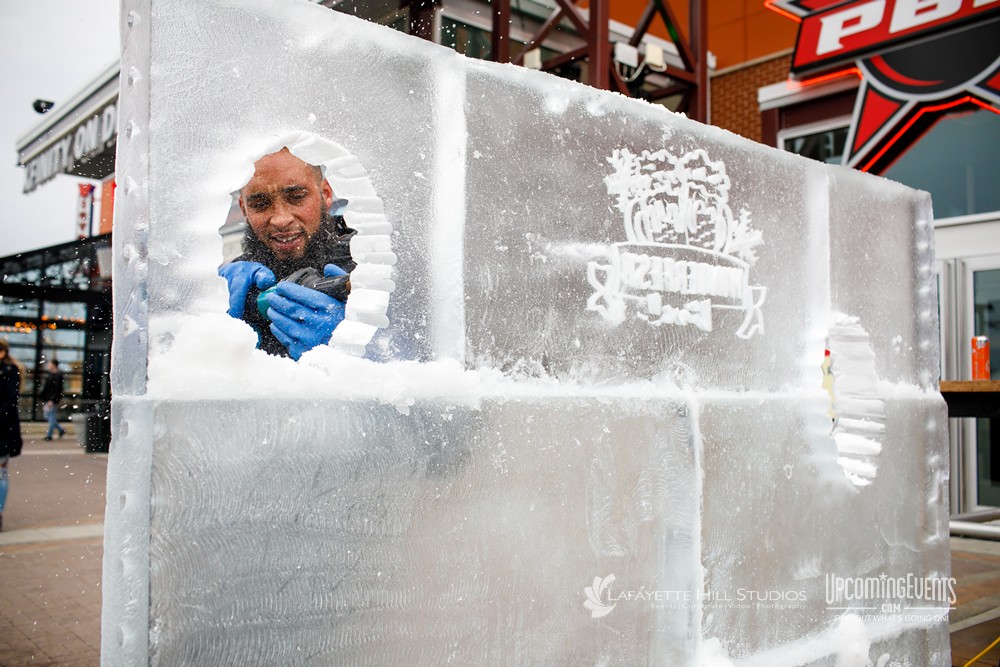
point(287, 242)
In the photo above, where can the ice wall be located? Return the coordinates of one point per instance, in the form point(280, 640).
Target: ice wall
point(591, 429)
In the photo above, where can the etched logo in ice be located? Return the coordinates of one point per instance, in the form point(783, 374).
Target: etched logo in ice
point(594, 593)
point(686, 255)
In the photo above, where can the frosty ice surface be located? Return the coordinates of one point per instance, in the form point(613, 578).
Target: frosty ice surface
point(577, 415)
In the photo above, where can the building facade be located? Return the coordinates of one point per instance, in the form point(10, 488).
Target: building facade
point(886, 94)
point(920, 106)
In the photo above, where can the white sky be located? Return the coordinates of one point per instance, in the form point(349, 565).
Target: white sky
point(49, 49)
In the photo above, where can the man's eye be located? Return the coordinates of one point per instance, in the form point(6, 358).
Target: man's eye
point(259, 203)
point(294, 197)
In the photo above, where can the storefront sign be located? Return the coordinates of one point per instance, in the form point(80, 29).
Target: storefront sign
point(852, 30)
point(903, 91)
point(89, 138)
point(918, 59)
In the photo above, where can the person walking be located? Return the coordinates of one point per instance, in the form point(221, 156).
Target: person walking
point(10, 424)
point(52, 393)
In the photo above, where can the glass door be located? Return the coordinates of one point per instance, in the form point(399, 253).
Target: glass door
point(948, 334)
point(982, 318)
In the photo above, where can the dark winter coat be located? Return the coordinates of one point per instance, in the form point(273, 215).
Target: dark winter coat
point(331, 244)
point(10, 423)
point(52, 390)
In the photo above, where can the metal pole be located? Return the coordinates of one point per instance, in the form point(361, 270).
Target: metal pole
point(500, 38)
point(970, 529)
point(600, 44)
point(978, 517)
point(37, 372)
point(699, 45)
point(423, 19)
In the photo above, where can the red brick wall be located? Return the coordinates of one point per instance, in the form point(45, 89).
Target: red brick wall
point(734, 95)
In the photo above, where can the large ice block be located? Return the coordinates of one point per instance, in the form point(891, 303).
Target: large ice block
point(576, 412)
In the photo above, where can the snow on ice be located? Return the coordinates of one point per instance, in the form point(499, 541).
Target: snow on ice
point(575, 412)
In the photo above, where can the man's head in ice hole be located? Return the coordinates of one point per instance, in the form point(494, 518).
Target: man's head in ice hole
point(285, 202)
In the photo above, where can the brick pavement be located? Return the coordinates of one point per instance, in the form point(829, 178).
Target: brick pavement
point(976, 566)
point(51, 603)
point(51, 550)
point(50, 555)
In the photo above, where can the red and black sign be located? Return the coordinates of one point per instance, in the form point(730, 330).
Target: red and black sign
point(917, 59)
point(836, 35)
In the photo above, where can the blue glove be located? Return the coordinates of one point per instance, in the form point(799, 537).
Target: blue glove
point(333, 271)
point(241, 276)
point(302, 318)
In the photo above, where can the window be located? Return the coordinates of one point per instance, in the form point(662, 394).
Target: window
point(986, 319)
point(819, 141)
point(957, 162)
point(466, 39)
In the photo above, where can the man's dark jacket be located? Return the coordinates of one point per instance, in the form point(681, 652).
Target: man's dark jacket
point(331, 244)
point(52, 388)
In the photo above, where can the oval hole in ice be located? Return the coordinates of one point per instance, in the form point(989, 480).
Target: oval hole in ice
point(354, 226)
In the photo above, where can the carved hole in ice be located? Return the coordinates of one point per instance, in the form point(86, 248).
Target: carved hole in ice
point(858, 410)
point(354, 198)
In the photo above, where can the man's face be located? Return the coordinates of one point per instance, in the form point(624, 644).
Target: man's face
point(284, 203)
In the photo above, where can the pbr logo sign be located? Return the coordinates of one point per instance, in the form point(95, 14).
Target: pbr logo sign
point(918, 59)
